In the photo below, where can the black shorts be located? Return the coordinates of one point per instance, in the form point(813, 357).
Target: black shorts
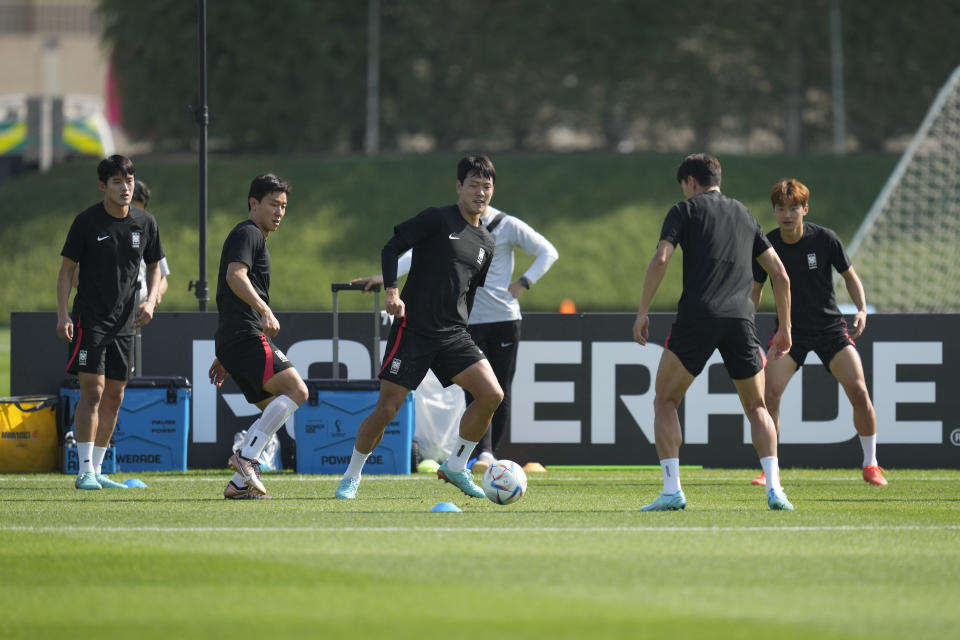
point(693, 342)
point(252, 360)
point(91, 352)
point(826, 344)
point(499, 342)
point(410, 355)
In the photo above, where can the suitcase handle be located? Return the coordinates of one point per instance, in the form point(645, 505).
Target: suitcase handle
point(352, 286)
point(336, 288)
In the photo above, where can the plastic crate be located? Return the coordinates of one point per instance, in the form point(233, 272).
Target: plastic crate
point(152, 425)
point(326, 428)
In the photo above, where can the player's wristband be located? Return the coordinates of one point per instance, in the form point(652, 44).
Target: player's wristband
point(523, 280)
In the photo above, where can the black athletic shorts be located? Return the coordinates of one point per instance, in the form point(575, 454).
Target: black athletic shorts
point(693, 343)
point(252, 360)
point(409, 356)
point(826, 344)
point(91, 352)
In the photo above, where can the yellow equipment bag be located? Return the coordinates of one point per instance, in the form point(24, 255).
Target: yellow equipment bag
point(28, 434)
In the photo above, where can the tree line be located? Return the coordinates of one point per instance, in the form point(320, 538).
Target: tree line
point(498, 75)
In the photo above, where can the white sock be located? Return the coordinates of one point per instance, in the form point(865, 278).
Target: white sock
point(252, 432)
point(461, 453)
point(85, 457)
point(869, 444)
point(98, 453)
point(274, 416)
point(771, 469)
point(671, 474)
point(237, 479)
point(357, 460)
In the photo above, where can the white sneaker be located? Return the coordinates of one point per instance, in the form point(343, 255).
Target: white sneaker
point(233, 492)
point(249, 470)
point(483, 462)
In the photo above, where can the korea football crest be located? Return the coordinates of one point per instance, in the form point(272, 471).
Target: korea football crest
point(135, 239)
point(811, 261)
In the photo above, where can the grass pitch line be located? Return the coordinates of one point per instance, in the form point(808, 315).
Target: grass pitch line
point(812, 529)
point(691, 479)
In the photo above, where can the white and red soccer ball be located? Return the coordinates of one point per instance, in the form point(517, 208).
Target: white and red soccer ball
point(504, 482)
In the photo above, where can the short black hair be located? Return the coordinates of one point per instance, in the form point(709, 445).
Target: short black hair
point(141, 193)
point(115, 166)
point(702, 167)
point(477, 165)
point(266, 184)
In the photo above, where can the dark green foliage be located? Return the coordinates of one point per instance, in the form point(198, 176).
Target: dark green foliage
point(281, 76)
point(503, 75)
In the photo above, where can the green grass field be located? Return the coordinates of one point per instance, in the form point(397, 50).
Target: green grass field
point(572, 559)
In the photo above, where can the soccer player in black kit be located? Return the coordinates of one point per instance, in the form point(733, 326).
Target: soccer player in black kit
point(720, 242)
point(451, 256)
point(810, 253)
point(109, 238)
point(246, 325)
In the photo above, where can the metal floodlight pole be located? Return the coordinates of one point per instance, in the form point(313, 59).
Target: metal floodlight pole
point(372, 141)
point(836, 75)
point(203, 119)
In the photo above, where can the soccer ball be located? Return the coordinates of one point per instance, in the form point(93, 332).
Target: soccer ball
point(504, 482)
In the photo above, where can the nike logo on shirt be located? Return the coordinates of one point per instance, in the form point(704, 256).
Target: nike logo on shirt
point(453, 237)
point(99, 239)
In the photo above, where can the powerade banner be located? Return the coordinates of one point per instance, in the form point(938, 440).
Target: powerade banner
point(583, 392)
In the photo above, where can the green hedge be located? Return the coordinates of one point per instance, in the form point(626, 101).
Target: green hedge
point(602, 211)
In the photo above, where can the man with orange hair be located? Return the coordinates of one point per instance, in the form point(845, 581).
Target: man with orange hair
point(810, 252)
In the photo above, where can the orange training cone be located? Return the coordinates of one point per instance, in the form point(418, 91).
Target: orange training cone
point(567, 306)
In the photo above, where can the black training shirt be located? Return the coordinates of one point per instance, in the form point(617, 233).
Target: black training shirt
point(450, 260)
point(109, 251)
point(809, 263)
point(720, 242)
point(247, 244)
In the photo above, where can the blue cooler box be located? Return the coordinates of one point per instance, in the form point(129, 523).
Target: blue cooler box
point(326, 428)
point(152, 425)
